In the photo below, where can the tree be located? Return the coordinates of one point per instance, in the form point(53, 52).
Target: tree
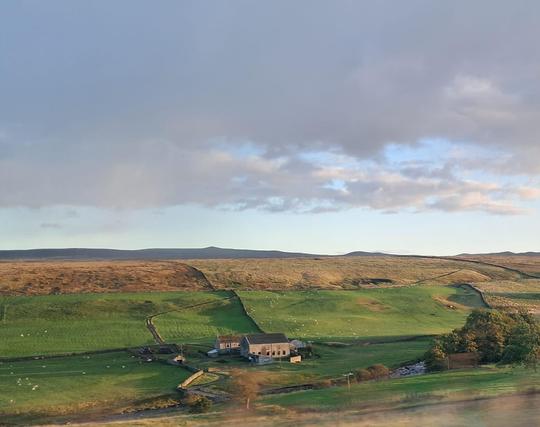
point(523, 345)
point(245, 386)
point(490, 329)
point(436, 357)
point(496, 336)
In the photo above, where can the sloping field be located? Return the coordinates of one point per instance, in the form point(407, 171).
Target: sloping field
point(525, 293)
point(343, 272)
point(366, 313)
point(528, 264)
point(466, 384)
point(64, 277)
point(75, 323)
point(69, 277)
point(82, 383)
point(204, 323)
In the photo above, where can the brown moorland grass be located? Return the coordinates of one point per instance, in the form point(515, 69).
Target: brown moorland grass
point(528, 264)
point(504, 293)
point(46, 277)
point(344, 272)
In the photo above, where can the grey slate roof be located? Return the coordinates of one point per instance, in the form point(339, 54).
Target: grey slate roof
point(266, 338)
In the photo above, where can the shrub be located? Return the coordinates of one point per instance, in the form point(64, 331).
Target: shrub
point(436, 357)
point(197, 404)
point(374, 372)
point(363, 375)
point(379, 371)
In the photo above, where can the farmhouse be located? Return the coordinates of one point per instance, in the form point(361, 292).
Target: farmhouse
point(227, 344)
point(266, 345)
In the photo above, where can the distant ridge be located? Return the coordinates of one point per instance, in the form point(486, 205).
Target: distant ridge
point(210, 252)
point(149, 254)
point(362, 253)
point(505, 253)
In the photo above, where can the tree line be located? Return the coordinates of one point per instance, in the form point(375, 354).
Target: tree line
point(505, 337)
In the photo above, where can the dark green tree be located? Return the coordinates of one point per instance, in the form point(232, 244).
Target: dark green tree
point(496, 336)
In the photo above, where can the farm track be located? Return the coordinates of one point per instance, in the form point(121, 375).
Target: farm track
point(152, 328)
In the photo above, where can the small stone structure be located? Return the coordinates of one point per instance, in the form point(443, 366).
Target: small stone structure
point(295, 359)
point(227, 344)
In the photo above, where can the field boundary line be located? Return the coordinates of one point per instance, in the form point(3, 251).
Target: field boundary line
point(473, 261)
point(244, 309)
point(152, 328)
point(434, 278)
point(60, 355)
point(200, 274)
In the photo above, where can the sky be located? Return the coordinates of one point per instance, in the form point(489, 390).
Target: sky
point(316, 126)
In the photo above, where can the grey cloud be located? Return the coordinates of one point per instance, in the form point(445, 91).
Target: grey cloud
point(124, 108)
point(52, 225)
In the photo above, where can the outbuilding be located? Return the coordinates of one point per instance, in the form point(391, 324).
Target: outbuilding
point(227, 344)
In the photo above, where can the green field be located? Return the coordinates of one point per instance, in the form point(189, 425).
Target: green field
point(85, 322)
point(82, 383)
point(464, 384)
point(374, 323)
point(202, 324)
point(362, 314)
point(44, 325)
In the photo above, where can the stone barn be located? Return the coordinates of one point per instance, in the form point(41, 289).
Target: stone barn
point(267, 345)
point(227, 344)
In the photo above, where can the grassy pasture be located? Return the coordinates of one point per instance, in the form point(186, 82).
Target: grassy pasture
point(75, 323)
point(203, 324)
point(81, 383)
point(362, 314)
point(463, 384)
point(85, 322)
